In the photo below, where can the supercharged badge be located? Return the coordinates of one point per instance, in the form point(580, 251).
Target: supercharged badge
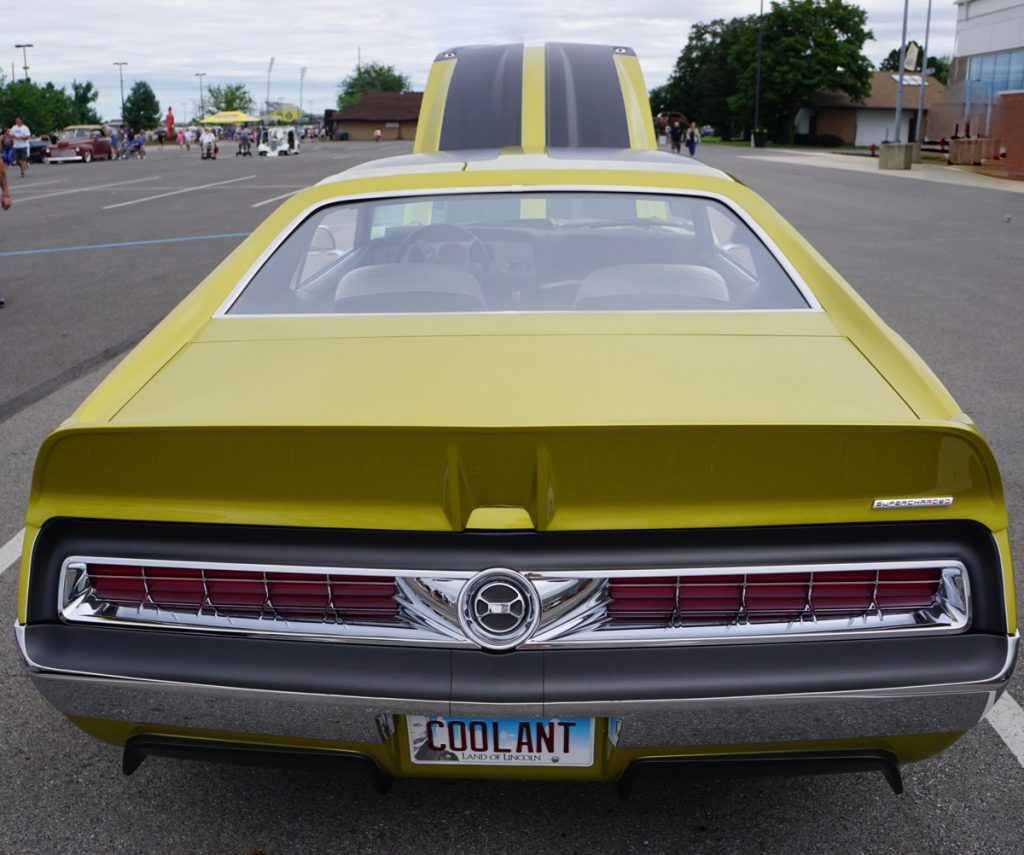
point(926, 502)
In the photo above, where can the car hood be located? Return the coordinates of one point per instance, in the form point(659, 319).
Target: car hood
point(517, 381)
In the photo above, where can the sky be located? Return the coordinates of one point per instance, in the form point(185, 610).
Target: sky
point(168, 42)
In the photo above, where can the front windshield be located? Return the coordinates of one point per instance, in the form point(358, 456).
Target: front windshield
point(520, 252)
point(77, 133)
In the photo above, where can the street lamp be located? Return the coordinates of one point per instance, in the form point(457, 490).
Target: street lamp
point(120, 71)
point(757, 75)
point(269, 69)
point(302, 77)
point(202, 101)
point(24, 55)
point(924, 76)
point(899, 82)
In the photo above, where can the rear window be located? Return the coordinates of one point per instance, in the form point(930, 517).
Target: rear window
point(520, 252)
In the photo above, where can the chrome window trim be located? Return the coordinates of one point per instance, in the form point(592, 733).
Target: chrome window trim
point(223, 310)
point(432, 620)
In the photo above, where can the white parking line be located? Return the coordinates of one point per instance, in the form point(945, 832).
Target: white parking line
point(1007, 719)
point(275, 199)
point(35, 184)
point(23, 199)
point(10, 552)
point(177, 192)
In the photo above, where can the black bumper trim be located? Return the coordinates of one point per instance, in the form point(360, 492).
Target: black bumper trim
point(138, 748)
point(764, 765)
point(549, 677)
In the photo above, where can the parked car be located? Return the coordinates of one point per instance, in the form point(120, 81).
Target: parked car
point(37, 149)
point(667, 118)
point(80, 142)
point(508, 458)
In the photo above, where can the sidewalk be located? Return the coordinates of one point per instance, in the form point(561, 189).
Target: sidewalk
point(964, 176)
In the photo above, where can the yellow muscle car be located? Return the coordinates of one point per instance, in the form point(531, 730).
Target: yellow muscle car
point(535, 453)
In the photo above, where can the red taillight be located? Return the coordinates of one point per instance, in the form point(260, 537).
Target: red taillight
point(246, 593)
point(782, 596)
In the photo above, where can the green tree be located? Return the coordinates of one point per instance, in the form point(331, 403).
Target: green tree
point(141, 109)
point(705, 77)
point(84, 95)
point(43, 108)
point(810, 46)
point(230, 96)
point(370, 77)
point(23, 98)
point(941, 65)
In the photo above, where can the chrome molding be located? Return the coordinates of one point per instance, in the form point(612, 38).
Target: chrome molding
point(573, 607)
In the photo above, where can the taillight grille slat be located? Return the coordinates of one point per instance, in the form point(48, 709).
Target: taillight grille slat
point(263, 593)
point(708, 598)
point(614, 606)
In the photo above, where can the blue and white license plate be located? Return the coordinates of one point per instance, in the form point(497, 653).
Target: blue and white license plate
point(501, 741)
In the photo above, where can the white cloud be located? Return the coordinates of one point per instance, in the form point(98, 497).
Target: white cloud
point(165, 42)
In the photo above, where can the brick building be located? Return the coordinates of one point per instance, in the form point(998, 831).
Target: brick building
point(872, 121)
point(395, 113)
point(985, 96)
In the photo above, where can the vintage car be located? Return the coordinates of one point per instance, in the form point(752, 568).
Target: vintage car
point(666, 118)
point(278, 142)
point(80, 142)
point(37, 149)
point(512, 457)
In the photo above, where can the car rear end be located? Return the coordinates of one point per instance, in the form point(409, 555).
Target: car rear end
point(585, 600)
point(558, 464)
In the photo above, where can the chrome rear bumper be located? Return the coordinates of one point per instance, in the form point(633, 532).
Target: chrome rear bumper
point(649, 721)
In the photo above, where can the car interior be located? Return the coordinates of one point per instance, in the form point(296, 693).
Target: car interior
point(556, 252)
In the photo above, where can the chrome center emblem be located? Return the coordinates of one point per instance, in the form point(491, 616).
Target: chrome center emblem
point(499, 609)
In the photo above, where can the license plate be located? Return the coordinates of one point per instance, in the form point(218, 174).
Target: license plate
point(501, 741)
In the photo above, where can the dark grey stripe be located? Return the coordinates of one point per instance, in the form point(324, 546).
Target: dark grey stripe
point(584, 97)
point(484, 108)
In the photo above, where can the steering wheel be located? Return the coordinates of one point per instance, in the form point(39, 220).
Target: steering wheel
point(444, 243)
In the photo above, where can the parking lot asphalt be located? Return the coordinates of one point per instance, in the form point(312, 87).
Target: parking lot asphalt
point(92, 256)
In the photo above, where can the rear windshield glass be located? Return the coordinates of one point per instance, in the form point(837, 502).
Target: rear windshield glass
point(520, 252)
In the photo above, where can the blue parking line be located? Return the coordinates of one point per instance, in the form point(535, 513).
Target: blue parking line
point(119, 245)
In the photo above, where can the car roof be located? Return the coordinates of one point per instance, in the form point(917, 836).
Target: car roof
point(553, 160)
point(552, 107)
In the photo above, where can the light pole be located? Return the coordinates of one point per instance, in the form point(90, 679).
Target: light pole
point(302, 77)
point(24, 55)
point(202, 100)
point(924, 76)
point(899, 82)
point(270, 68)
point(757, 76)
point(120, 71)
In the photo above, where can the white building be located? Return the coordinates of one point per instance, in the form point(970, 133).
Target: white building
point(988, 59)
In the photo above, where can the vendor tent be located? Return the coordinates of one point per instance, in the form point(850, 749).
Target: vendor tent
point(229, 117)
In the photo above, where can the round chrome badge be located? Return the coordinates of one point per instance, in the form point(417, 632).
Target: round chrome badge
point(499, 609)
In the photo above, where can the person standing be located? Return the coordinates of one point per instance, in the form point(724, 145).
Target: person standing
point(5, 203)
point(692, 138)
point(19, 151)
point(676, 132)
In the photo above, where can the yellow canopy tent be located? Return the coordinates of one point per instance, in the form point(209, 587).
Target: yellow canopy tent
point(229, 117)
